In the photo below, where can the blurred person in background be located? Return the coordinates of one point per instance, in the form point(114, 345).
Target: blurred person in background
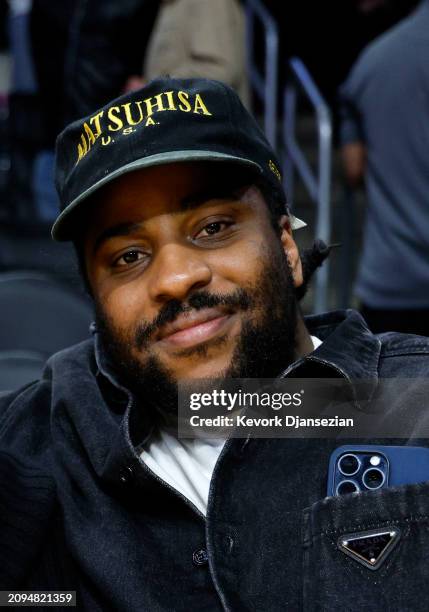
point(49, 35)
point(107, 46)
point(24, 118)
point(199, 38)
point(4, 88)
point(38, 38)
point(385, 141)
point(118, 47)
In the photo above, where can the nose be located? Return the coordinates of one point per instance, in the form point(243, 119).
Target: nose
point(176, 271)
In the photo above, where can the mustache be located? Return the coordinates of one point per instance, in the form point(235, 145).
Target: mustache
point(239, 299)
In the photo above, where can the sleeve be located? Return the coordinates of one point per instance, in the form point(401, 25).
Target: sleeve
point(351, 128)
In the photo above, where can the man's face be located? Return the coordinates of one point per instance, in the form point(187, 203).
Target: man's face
point(190, 280)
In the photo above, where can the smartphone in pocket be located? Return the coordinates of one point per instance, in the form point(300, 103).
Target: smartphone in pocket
point(370, 467)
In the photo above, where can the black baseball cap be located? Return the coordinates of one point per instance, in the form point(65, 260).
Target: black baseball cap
point(169, 120)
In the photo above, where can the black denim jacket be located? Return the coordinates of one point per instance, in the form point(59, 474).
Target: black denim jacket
point(78, 509)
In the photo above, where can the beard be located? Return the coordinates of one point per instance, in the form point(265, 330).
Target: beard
point(265, 347)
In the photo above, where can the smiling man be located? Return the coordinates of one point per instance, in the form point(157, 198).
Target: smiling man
point(173, 200)
point(182, 261)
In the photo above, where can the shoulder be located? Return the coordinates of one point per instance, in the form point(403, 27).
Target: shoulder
point(35, 395)
point(380, 54)
point(404, 355)
point(28, 408)
point(391, 41)
point(396, 344)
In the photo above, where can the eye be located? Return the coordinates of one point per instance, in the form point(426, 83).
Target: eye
point(213, 228)
point(128, 258)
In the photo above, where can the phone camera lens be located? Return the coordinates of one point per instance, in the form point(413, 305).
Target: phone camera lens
point(347, 486)
point(349, 465)
point(373, 478)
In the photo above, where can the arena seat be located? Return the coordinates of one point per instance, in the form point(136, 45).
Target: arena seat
point(39, 316)
point(17, 368)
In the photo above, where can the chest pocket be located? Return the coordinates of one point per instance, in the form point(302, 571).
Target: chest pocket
point(368, 551)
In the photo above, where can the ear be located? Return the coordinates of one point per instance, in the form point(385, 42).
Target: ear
point(291, 250)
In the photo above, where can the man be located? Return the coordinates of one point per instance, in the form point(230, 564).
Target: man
point(173, 199)
point(385, 139)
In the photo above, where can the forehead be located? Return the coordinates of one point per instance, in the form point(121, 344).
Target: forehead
point(159, 190)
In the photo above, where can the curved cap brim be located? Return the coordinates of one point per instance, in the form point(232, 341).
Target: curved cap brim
point(62, 229)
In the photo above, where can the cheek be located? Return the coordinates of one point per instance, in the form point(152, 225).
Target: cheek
point(123, 306)
point(242, 263)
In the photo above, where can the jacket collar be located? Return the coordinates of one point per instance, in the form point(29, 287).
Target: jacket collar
point(138, 428)
point(349, 349)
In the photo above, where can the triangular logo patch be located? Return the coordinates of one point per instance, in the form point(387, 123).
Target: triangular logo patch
point(370, 548)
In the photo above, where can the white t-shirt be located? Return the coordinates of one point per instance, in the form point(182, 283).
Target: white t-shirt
point(187, 464)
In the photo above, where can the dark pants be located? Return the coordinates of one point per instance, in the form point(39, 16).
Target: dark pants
point(405, 321)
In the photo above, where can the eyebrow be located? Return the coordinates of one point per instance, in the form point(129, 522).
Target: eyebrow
point(122, 229)
point(188, 203)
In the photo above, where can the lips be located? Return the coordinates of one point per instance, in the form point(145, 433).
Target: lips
point(194, 327)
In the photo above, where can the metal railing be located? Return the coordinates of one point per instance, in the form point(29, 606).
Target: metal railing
point(263, 84)
point(318, 184)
